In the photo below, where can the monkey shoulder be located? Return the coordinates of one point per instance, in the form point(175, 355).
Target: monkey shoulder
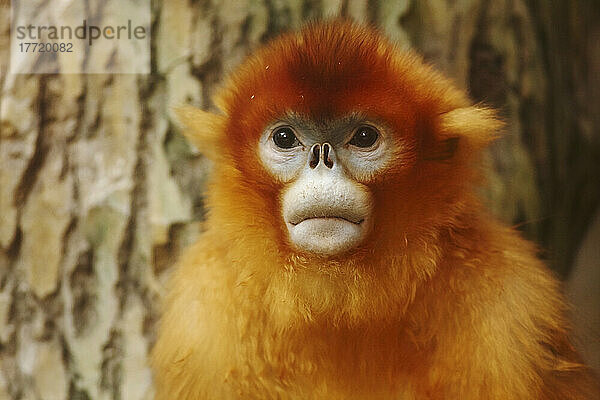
point(502, 321)
point(500, 284)
point(190, 352)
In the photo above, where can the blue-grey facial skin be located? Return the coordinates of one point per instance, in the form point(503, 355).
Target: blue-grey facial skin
point(336, 131)
point(325, 203)
point(360, 164)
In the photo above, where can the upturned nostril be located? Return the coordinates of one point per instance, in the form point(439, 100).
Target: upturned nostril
point(315, 155)
point(328, 161)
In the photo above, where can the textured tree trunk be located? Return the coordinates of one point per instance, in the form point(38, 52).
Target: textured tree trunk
point(99, 192)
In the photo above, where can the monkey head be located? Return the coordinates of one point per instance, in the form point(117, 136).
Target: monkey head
point(335, 152)
point(341, 133)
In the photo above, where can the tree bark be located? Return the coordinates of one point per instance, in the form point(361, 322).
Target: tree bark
point(99, 192)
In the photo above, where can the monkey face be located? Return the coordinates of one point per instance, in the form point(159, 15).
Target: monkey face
point(337, 159)
point(326, 205)
point(337, 150)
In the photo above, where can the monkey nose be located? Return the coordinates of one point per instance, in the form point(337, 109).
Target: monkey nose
point(327, 155)
point(321, 154)
point(315, 156)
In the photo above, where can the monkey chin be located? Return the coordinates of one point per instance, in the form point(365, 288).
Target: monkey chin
point(327, 236)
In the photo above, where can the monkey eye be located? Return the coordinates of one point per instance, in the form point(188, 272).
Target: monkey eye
point(365, 136)
point(284, 138)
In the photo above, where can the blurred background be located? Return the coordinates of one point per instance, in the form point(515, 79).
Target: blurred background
point(99, 192)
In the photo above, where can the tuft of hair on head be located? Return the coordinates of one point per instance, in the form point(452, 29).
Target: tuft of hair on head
point(203, 129)
point(470, 127)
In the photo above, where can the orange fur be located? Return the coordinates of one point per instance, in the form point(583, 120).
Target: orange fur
point(441, 301)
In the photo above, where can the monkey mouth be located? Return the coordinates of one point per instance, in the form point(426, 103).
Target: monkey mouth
point(326, 232)
point(332, 217)
point(325, 213)
point(327, 222)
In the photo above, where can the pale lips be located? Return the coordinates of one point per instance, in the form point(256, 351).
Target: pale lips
point(326, 213)
point(328, 218)
point(326, 233)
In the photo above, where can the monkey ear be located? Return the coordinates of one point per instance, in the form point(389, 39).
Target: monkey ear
point(203, 129)
point(473, 126)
